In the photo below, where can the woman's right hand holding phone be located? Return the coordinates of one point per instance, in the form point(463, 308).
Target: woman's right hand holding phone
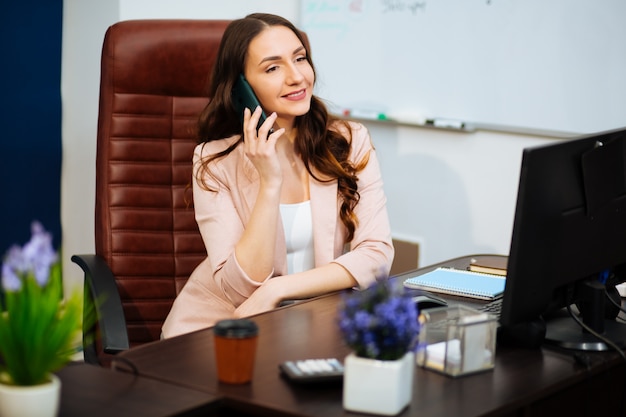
point(260, 146)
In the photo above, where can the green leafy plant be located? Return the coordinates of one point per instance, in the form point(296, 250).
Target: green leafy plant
point(380, 322)
point(39, 330)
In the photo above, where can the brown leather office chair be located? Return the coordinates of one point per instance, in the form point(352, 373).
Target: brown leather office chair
point(153, 82)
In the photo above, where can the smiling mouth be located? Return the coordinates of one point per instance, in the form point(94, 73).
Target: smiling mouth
point(296, 94)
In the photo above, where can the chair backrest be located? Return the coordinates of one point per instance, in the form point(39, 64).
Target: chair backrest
point(153, 86)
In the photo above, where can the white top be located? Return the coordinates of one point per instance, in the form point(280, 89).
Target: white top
point(298, 226)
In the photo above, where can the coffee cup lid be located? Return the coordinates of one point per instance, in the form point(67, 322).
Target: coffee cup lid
point(236, 328)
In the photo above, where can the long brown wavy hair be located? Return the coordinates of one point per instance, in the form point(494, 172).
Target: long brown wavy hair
point(324, 150)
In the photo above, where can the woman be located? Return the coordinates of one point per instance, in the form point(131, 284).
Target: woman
point(291, 211)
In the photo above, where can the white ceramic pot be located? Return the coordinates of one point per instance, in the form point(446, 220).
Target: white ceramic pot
point(32, 401)
point(378, 387)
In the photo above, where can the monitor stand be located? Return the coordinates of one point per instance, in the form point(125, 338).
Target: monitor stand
point(564, 331)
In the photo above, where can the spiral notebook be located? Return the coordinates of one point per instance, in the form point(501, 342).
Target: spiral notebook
point(459, 282)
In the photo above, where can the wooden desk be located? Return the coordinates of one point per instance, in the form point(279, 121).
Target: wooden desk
point(88, 390)
point(524, 382)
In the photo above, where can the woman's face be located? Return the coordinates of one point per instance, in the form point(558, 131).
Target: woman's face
point(279, 73)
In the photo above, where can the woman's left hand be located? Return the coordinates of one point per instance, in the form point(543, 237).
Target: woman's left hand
point(262, 299)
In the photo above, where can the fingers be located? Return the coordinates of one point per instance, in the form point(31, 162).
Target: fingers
point(247, 132)
point(276, 134)
point(251, 121)
point(268, 126)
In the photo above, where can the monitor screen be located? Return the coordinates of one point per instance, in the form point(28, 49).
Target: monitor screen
point(568, 245)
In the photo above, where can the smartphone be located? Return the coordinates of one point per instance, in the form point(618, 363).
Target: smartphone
point(243, 96)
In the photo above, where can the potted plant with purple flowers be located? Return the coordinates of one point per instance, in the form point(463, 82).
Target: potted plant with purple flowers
point(39, 330)
point(381, 326)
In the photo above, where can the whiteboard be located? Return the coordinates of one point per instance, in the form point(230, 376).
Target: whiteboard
point(551, 65)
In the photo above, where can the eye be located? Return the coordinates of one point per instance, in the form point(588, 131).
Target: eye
point(271, 69)
point(301, 58)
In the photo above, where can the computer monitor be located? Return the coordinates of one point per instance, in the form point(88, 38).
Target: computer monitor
point(569, 240)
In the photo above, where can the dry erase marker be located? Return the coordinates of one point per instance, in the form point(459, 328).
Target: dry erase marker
point(365, 114)
point(446, 123)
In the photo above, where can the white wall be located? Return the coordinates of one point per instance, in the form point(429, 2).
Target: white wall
point(84, 24)
point(454, 193)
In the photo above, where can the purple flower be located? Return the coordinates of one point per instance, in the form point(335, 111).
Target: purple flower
point(10, 280)
point(36, 257)
point(380, 322)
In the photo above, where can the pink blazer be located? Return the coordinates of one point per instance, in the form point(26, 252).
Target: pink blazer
point(218, 285)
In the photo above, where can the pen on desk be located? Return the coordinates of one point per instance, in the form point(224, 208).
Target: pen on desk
point(365, 114)
point(446, 123)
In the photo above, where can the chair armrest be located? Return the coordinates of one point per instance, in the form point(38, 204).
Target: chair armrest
point(101, 295)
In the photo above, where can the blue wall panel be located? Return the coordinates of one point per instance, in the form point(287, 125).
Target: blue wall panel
point(30, 112)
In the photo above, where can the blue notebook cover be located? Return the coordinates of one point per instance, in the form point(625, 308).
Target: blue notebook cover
point(459, 282)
